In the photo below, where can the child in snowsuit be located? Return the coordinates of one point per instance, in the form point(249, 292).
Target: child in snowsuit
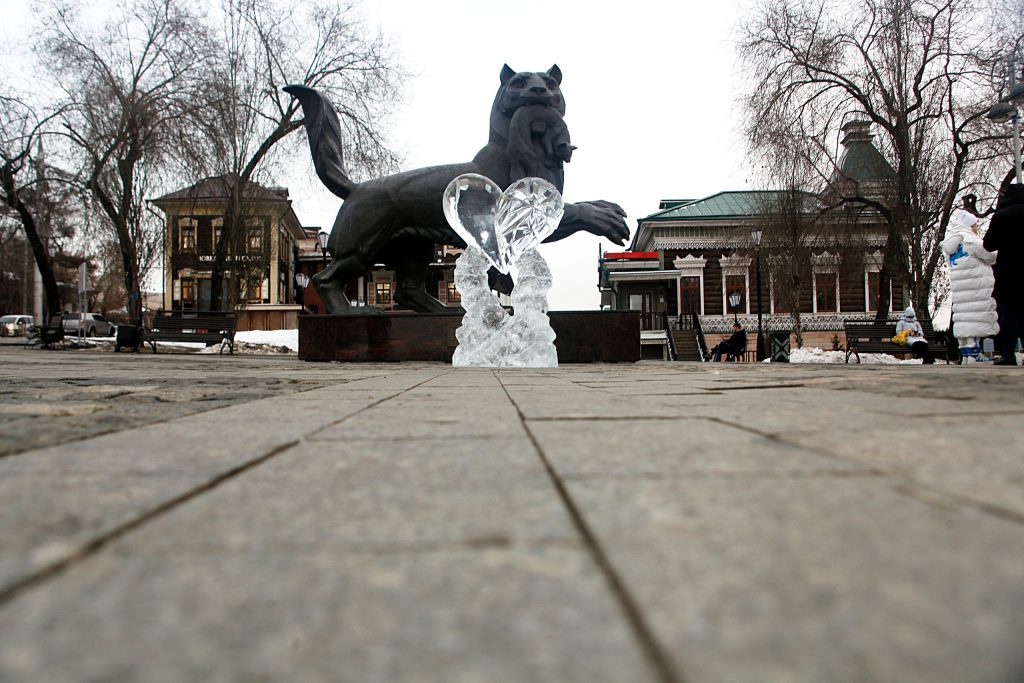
point(971, 282)
point(916, 342)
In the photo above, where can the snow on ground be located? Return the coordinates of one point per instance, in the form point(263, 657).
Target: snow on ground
point(262, 342)
point(289, 338)
point(258, 342)
point(810, 354)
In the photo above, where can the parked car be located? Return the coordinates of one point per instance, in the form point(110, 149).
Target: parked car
point(15, 325)
point(95, 325)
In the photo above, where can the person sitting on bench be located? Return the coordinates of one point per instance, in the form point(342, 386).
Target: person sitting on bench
point(916, 342)
point(733, 346)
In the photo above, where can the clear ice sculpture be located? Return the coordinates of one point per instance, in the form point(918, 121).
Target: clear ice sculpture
point(502, 229)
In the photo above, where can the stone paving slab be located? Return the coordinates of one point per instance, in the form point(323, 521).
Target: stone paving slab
point(639, 447)
point(366, 494)
point(485, 615)
point(815, 579)
point(964, 459)
point(672, 522)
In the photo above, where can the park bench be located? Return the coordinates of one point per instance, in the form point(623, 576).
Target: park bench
point(747, 355)
point(50, 333)
point(209, 327)
point(876, 337)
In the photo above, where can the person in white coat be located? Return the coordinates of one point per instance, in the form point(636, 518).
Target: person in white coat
point(970, 282)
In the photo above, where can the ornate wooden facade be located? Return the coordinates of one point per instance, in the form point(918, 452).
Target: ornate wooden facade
point(692, 254)
point(266, 256)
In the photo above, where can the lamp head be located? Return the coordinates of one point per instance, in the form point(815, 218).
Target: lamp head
point(321, 238)
point(734, 299)
point(1001, 112)
point(1016, 94)
point(755, 237)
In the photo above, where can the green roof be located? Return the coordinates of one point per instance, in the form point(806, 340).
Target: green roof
point(863, 162)
point(672, 203)
point(722, 205)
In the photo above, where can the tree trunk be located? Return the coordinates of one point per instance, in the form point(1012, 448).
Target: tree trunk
point(43, 263)
point(42, 257)
point(890, 265)
point(220, 250)
point(798, 328)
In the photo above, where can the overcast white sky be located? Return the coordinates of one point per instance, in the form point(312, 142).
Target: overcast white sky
point(650, 91)
point(651, 101)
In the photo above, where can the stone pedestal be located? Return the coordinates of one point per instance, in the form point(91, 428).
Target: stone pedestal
point(582, 337)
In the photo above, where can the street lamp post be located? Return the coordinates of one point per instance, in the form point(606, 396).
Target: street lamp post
point(1005, 110)
point(321, 240)
point(734, 301)
point(755, 237)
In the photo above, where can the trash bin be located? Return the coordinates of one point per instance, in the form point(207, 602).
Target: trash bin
point(779, 347)
point(128, 337)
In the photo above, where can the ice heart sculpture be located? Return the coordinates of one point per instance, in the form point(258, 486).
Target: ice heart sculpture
point(502, 229)
point(503, 225)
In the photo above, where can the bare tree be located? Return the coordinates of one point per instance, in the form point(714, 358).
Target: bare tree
point(264, 46)
point(25, 191)
point(796, 229)
point(131, 90)
point(911, 68)
point(1007, 32)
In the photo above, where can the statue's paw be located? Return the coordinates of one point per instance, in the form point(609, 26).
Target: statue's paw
point(606, 219)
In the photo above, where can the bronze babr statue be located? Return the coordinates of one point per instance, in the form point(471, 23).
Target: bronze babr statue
point(399, 218)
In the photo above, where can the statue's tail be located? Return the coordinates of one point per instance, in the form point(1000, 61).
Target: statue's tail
point(324, 133)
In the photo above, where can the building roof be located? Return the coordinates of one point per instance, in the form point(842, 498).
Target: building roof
point(727, 204)
point(672, 203)
point(861, 161)
point(217, 187)
point(214, 192)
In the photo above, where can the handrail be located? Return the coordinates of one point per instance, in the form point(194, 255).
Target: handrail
point(672, 354)
point(701, 343)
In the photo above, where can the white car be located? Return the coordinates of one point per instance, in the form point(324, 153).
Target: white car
point(95, 325)
point(15, 325)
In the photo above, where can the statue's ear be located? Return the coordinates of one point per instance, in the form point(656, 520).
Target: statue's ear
point(507, 73)
point(555, 73)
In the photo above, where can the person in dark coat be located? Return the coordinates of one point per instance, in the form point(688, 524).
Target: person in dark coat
point(1006, 235)
point(733, 346)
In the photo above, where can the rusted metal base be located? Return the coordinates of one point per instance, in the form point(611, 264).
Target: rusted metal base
point(581, 337)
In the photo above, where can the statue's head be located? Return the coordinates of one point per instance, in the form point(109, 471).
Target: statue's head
point(529, 87)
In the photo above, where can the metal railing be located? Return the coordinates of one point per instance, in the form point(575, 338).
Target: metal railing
point(701, 342)
point(672, 352)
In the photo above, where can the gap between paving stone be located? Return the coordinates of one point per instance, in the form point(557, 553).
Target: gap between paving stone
point(665, 668)
point(910, 486)
point(82, 552)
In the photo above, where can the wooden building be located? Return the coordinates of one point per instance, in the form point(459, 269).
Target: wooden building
point(687, 258)
point(262, 265)
point(376, 287)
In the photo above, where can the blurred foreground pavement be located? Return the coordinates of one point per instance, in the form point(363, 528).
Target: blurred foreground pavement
point(216, 518)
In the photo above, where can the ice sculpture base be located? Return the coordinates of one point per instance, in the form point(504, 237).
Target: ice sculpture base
point(581, 337)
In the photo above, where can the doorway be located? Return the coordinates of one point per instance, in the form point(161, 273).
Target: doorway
point(643, 302)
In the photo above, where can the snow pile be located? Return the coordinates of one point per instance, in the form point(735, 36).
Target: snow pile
point(261, 342)
point(287, 338)
point(810, 354)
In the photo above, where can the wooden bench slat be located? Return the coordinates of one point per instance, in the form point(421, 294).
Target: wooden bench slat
point(874, 337)
point(206, 327)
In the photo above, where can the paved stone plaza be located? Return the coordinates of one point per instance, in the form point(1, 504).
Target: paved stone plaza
point(205, 518)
